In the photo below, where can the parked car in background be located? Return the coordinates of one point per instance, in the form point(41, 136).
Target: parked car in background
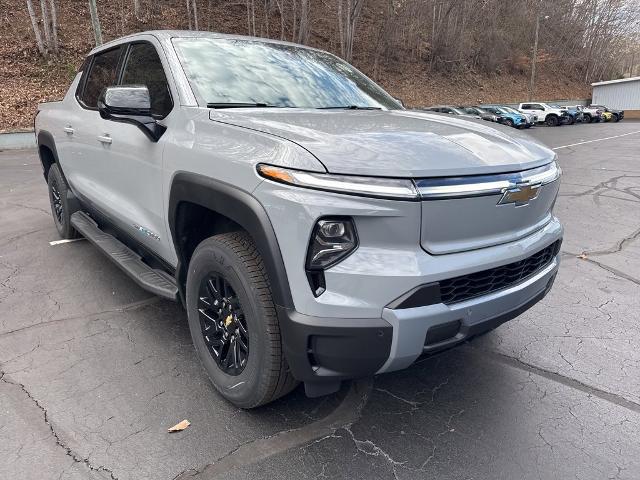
point(617, 114)
point(574, 115)
point(589, 114)
point(532, 118)
point(445, 109)
point(478, 112)
point(517, 120)
point(546, 113)
point(607, 116)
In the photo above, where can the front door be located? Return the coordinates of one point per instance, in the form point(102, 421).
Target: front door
point(133, 176)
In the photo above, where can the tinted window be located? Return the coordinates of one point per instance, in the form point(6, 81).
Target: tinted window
point(102, 74)
point(248, 71)
point(143, 67)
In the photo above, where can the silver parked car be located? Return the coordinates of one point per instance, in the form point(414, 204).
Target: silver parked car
point(314, 230)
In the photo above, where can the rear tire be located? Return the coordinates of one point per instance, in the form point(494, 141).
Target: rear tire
point(616, 118)
point(586, 118)
point(246, 307)
point(552, 121)
point(60, 207)
point(508, 122)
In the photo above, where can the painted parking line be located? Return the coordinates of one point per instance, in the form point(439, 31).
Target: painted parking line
point(69, 240)
point(596, 140)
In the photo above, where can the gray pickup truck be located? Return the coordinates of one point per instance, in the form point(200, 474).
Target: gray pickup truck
point(314, 229)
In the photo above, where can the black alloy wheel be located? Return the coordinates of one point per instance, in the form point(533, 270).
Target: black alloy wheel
point(223, 324)
point(58, 208)
point(61, 206)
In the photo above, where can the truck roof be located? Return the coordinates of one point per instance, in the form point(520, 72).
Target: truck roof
point(167, 35)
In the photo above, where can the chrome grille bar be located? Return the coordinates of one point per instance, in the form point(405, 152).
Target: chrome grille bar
point(482, 185)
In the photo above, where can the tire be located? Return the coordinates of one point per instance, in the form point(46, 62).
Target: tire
point(570, 120)
point(60, 208)
point(264, 376)
point(616, 118)
point(552, 121)
point(508, 122)
point(586, 118)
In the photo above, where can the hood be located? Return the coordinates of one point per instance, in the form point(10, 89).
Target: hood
point(398, 143)
point(513, 116)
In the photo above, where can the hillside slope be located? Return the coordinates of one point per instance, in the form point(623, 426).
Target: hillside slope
point(26, 78)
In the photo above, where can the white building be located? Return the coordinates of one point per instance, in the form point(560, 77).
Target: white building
point(623, 94)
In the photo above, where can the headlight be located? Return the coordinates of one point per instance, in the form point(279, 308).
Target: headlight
point(394, 188)
point(332, 240)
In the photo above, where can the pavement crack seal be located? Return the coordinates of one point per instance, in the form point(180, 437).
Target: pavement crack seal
point(123, 308)
point(69, 452)
point(615, 271)
point(619, 246)
point(345, 415)
point(555, 376)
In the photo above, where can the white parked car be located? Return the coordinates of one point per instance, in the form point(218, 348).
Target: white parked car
point(552, 116)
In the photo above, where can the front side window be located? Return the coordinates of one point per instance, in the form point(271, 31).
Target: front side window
point(102, 74)
point(143, 67)
point(241, 72)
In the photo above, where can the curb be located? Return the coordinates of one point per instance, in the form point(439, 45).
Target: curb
point(17, 140)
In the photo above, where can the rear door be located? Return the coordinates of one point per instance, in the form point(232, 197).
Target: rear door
point(132, 180)
point(81, 152)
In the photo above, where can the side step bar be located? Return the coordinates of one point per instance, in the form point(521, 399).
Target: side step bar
point(155, 281)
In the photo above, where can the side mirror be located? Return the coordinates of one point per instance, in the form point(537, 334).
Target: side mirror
point(130, 104)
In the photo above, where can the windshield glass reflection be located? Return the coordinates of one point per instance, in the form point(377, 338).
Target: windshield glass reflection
point(250, 72)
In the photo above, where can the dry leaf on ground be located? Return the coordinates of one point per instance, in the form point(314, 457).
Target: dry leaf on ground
point(179, 426)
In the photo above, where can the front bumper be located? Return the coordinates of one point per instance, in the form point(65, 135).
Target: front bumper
point(333, 349)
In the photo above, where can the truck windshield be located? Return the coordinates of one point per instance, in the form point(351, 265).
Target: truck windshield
point(244, 72)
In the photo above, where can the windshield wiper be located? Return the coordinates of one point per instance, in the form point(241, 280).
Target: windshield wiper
point(239, 105)
point(349, 107)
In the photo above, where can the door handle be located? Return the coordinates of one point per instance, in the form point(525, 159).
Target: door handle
point(106, 138)
point(68, 129)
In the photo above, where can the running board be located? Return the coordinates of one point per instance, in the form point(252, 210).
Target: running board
point(155, 281)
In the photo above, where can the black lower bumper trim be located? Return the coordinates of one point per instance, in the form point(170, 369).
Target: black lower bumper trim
point(332, 349)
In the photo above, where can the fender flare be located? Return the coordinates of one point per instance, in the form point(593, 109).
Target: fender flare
point(242, 208)
point(46, 139)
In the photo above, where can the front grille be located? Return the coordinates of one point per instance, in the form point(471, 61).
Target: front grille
point(476, 284)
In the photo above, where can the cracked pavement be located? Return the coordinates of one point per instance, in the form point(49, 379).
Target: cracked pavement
point(93, 370)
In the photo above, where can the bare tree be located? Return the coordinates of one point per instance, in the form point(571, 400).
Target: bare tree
point(95, 22)
point(348, 13)
point(36, 29)
point(136, 9)
point(303, 26)
point(192, 14)
point(47, 35)
point(54, 25)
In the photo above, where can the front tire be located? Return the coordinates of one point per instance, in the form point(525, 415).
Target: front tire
point(60, 207)
point(508, 122)
point(233, 322)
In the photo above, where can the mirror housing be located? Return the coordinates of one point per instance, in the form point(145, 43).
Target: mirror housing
point(130, 104)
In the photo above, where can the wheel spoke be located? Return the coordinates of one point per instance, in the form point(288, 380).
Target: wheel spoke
point(243, 346)
point(227, 341)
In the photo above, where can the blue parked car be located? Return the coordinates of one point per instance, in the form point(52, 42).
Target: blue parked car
point(511, 119)
point(573, 114)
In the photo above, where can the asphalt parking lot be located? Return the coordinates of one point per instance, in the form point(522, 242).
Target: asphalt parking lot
point(94, 370)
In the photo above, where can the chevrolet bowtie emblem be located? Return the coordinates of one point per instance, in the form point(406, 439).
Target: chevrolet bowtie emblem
point(520, 194)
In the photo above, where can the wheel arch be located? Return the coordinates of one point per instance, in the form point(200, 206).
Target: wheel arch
point(47, 152)
point(222, 208)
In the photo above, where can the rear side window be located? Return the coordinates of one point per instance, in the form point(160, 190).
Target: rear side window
point(102, 74)
point(143, 67)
